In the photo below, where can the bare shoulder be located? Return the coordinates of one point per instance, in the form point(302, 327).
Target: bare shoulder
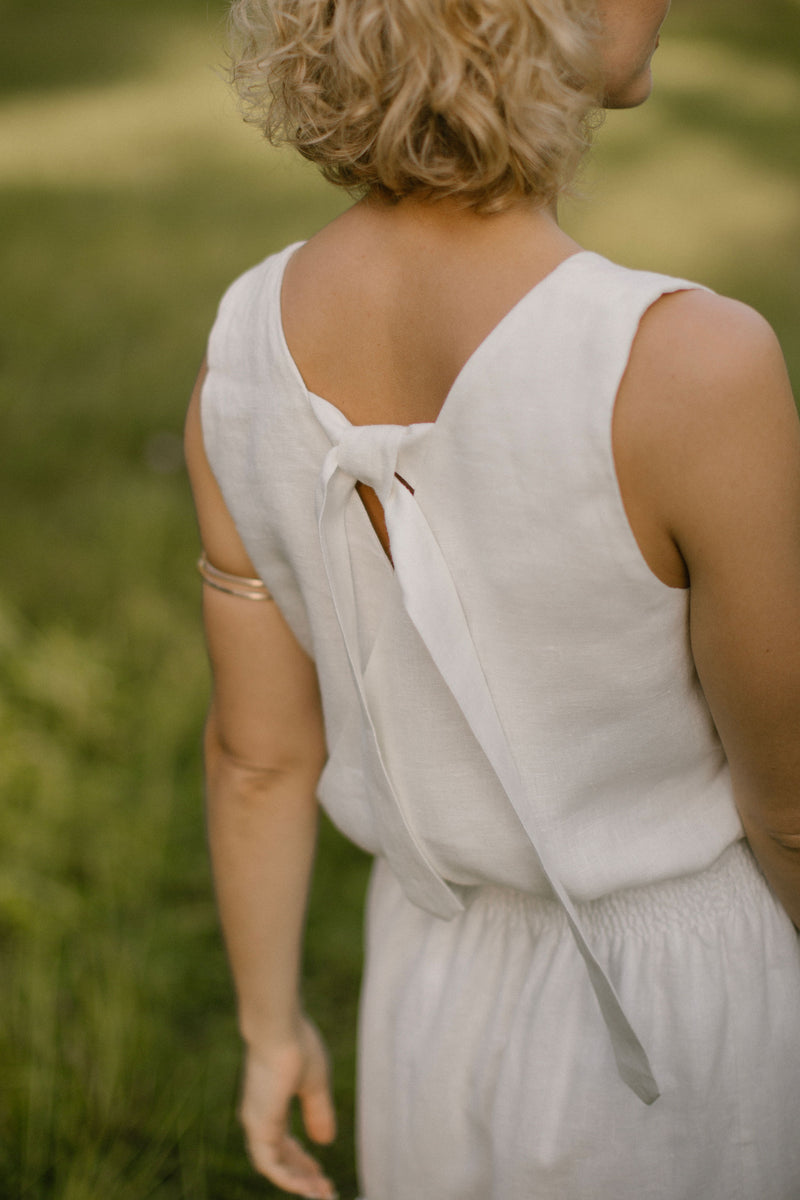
point(706, 385)
point(704, 418)
point(687, 310)
point(701, 349)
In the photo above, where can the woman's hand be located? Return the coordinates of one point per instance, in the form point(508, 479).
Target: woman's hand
point(273, 1075)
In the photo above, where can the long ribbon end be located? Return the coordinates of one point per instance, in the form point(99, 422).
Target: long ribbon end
point(640, 1079)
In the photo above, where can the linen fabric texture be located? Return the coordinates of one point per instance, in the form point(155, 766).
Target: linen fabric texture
point(563, 920)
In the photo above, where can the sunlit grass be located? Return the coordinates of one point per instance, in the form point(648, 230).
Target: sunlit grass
point(130, 196)
point(145, 130)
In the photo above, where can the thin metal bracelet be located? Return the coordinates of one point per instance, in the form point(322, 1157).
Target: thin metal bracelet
point(233, 585)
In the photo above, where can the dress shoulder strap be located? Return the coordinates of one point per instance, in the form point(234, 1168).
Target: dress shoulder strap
point(249, 417)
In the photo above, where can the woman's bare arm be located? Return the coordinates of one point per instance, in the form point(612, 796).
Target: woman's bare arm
point(264, 750)
point(707, 437)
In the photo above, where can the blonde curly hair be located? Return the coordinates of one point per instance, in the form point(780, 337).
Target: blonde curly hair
point(487, 101)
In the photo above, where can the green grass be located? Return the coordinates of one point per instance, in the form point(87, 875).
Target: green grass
point(117, 1037)
point(130, 198)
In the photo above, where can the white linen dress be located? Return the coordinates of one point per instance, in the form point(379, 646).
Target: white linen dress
point(578, 985)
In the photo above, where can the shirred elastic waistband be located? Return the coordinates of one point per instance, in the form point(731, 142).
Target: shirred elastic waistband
point(706, 897)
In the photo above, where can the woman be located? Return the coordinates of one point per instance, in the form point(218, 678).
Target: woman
point(522, 529)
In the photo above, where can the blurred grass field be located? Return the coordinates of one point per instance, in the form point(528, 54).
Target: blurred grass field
point(130, 195)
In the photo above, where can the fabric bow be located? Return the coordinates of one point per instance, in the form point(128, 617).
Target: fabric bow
point(371, 454)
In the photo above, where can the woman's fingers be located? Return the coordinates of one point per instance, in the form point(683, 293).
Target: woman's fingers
point(284, 1162)
point(314, 1093)
point(271, 1079)
point(318, 1113)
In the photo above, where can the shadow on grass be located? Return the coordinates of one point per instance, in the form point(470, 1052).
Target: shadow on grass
point(46, 46)
point(769, 29)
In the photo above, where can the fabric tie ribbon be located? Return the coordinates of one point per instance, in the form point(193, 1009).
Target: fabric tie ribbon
point(370, 454)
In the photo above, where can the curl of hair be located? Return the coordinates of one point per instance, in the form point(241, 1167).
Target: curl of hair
point(487, 101)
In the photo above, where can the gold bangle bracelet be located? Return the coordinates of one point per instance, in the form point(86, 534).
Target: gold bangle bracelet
point(233, 585)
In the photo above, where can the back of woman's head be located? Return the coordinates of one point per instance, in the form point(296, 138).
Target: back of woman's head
point(483, 100)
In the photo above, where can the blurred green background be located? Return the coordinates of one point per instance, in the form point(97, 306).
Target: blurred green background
point(131, 194)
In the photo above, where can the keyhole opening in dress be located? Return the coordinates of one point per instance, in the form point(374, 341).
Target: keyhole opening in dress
point(374, 510)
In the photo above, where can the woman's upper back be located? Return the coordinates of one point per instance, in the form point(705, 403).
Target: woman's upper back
point(585, 651)
point(382, 310)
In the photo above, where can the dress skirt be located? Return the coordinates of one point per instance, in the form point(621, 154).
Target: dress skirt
point(486, 1071)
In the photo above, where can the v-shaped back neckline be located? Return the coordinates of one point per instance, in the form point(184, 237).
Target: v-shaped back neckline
point(482, 348)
